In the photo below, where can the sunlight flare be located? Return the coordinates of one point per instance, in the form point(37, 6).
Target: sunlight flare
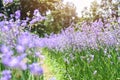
point(80, 4)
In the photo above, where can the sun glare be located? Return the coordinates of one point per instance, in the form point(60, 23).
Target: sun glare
point(80, 4)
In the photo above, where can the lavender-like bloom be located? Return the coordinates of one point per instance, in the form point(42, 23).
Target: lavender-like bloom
point(15, 62)
point(23, 39)
point(7, 1)
point(17, 14)
point(37, 13)
point(6, 75)
point(119, 20)
point(4, 49)
point(90, 35)
point(35, 69)
point(37, 54)
point(37, 17)
point(1, 15)
point(23, 64)
point(20, 48)
point(33, 21)
point(11, 61)
point(24, 23)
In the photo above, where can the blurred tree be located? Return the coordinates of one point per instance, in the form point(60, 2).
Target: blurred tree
point(109, 9)
point(9, 7)
point(61, 17)
point(58, 14)
point(94, 10)
point(28, 7)
point(105, 9)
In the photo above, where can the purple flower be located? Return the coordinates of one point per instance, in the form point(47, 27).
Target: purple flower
point(6, 75)
point(15, 62)
point(24, 39)
point(5, 28)
point(118, 19)
point(17, 14)
point(31, 45)
point(33, 21)
point(21, 57)
point(7, 1)
point(35, 69)
point(37, 17)
point(4, 49)
point(22, 65)
point(37, 13)
point(1, 15)
point(37, 54)
point(5, 60)
point(24, 23)
point(9, 54)
point(20, 48)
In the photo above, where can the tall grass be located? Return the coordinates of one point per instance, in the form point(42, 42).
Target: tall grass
point(89, 64)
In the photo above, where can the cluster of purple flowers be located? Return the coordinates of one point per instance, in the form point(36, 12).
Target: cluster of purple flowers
point(86, 35)
point(6, 75)
point(16, 45)
point(7, 1)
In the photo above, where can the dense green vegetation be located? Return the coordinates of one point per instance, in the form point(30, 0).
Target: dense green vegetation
point(85, 65)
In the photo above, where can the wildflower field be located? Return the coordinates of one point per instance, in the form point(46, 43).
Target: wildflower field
point(85, 54)
point(84, 51)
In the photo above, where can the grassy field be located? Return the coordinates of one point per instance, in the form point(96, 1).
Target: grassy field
point(102, 64)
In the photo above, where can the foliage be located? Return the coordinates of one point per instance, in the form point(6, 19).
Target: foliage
point(9, 7)
point(87, 64)
point(60, 18)
point(55, 63)
point(42, 5)
point(1, 5)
